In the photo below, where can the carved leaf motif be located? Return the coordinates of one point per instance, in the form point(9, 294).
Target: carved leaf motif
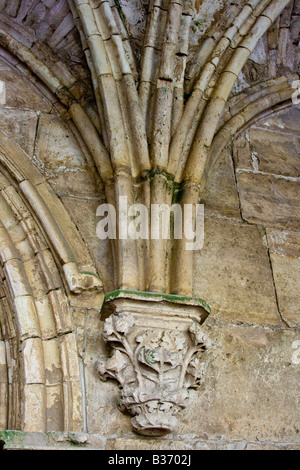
point(108, 329)
point(124, 323)
point(117, 367)
point(102, 371)
point(195, 371)
point(121, 324)
point(134, 396)
point(198, 336)
point(150, 339)
point(155, 369)
point(173, 341)
point(174, 359)
point(116, 363)
point(150, 357)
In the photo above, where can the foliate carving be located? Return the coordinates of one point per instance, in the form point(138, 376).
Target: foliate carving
point(155, 369)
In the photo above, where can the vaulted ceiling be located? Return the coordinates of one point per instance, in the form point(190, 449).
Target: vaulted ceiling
point(48, 29)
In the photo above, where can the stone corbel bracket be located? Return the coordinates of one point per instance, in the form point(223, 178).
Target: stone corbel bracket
point(80, 282)
point(158, 346)
point(85, 287)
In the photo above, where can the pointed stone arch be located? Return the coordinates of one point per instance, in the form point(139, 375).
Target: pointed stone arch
point(244, 109)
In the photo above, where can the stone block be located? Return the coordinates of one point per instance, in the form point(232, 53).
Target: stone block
point(17, 278)
point(268, 200)
point(65, 222)
point(221, 192)
point(146, 444)
point(55, 408)
point(251, 387)
point(75, 184)
point(27, 318)
point(242, 153)
point(69, 357)
point(3, 366)
point(27, 97)
point(232, 273)
point(87, 226)
point(259, 446)
point(33, 357)
point(20, 126)
point(3, 405)
point(276, 152)
point(56, 147)
point(284, 248)
point(61, 311)
point(46, 317)
point(53, 366)
point(102, 402)
point(34, 408)
point(35, 277)
point(219, 445)
point(286, 121)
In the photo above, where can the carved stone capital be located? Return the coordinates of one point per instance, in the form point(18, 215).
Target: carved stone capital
point(157, 344)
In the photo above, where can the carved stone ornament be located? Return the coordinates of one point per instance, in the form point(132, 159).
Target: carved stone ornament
point(157, 349)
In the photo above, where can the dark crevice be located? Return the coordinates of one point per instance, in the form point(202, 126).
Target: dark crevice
point(237, 186)
point(274, 284)
point(36, 133)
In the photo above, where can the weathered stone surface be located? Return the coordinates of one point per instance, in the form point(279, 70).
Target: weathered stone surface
point(252, 446)
point(146, 444)
point(79, 317)
point(268, 200)
point(51, 440)
point(102, 405)
point(276, 153)
point(285, 256)
point(136, 13)
point(250, 398)
point(34, 408)
point(102, 397)
point(250, 375)
point(56, 149)
point(232, 272)
point(251, 387)
point(221, 192)
point(55, 408)
point(242, 153)
point(27, 97)
point(83, 213)
point(285, 121)
point(13, 440)
point(33, 357)
point(78, 183)
point(20, 126)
